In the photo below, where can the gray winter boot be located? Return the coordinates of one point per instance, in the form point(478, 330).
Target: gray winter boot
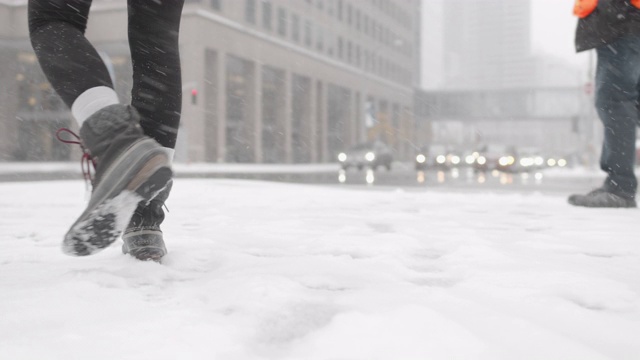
point(601, 198)
point(130, 168)
point(143, 238)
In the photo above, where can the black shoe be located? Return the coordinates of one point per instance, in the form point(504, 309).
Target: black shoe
point(130, 168)
point(602, 198)
point(143, 238)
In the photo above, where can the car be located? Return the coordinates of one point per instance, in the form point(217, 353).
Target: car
point(422, 158)
point(496, 157)
point(367, 155)
point(530, 159)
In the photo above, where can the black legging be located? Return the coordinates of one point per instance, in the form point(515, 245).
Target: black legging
point(72, 65)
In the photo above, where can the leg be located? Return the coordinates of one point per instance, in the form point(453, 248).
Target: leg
point(157, 95)
point(157, 85)
point(129, 166)
point(617, 78)
point(72, 65)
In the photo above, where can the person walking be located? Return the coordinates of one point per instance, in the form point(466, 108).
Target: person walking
point(130, 146)
point(612, 28)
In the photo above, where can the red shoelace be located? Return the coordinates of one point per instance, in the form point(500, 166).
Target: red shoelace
point(87, 161)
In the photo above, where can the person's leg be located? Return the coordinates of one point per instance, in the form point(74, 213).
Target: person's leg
point(129, 166)
point(154, 28)
point(69, 61)
point(617, 78)
point(157, 95)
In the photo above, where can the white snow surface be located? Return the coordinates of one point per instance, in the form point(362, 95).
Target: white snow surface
point(260, 270)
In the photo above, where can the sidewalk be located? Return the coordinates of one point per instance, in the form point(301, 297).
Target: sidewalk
point(38, 171)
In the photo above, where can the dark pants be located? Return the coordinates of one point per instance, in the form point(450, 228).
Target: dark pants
point(72, 65)
point(617, 94)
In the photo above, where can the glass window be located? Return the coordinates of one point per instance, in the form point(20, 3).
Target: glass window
point(282, 22)
point(307, 33)
point(295, 27)
point(250, 11)
point(266, 14)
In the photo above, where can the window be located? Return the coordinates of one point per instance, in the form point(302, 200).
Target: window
point(282, 22)
point(319, 39)
point(295, 28)
point(307, 33)
point(266, 14)
point(250, 11)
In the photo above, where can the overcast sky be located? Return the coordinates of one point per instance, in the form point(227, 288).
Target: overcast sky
point(552, 32)
point(553, 29)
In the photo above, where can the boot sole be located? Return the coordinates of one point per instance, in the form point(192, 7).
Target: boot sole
point(138, 174)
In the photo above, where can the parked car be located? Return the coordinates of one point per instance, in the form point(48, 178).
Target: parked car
point(367, 155)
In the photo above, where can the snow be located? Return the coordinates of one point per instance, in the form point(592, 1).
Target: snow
point(260, 270)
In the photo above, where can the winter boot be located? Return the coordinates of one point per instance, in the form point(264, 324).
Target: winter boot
point(143, 238)
point(600, 197)
point(130, 168)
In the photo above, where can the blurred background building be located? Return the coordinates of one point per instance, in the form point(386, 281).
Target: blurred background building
point(265, 81)
point(483, 84)
point(298, 81)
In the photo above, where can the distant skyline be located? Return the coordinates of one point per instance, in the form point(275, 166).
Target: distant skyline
point(552, 34)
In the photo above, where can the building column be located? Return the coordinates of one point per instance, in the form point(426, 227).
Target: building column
point(221, 126)
point(313, 122)
point(288, 148)
point(257, 112)
point(321, 134)
point(353, 119)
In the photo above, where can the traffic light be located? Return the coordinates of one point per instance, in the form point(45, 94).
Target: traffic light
point(194, 96)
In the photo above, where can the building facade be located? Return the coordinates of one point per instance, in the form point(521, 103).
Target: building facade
point(264, 81)
point(487, 44)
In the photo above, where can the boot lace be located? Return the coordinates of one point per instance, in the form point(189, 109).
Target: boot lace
point(86, 162)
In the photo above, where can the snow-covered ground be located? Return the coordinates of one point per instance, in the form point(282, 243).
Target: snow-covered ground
point(262, 270)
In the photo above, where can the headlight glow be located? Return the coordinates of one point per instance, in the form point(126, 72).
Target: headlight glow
point(551, 162)
point(539, 160)
point(455, 159)
point(562, 162)
point(469, 159)
point(342, 157)
point(482, 160)
point(441, 159)
point(506, 160)
point(421, 158)
point(370, 156)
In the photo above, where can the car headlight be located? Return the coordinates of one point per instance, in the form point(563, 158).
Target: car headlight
point(342, 157)
point(539, 160)
point(370, 156)
point(506, 160)
point(481, 160)
point(551, 162)
point(562, 162)
point(455, 159)
point(421, 158)
point(470, 159)
point(527, 161)
point(441, 159)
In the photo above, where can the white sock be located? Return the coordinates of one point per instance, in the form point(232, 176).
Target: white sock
point(91, 101)
point(171, 152)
